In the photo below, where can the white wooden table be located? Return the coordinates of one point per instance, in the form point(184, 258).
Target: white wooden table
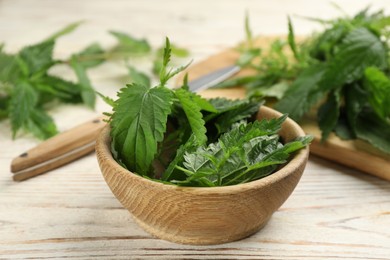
point(334, 213)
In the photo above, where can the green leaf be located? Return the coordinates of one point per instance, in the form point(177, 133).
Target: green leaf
point(270, 127)
point(328, 114)
point(302, 94)
point(66, 91)
point(371, 128)
point(40, 124)
point(175, 51)
point(23, 102)
point(337, 7)
point(201, 102)
point(66, 30)
point(378, 86)
point(247, 152)
point(109, 101)
point(343, 129)
point(92, 56)
point(298, 143)
point(227, 119)
point(129, 44)
point(87, 92)
point(36, 59)
point(4, 105)
point(324, 46)
point(9, 69)
point(223, 104)
point(247, 57)
point(157, 66)
point(381, 23)
point(185, 84)
point(171, 173)
point(277, 90)
point(165, 73)
point(138, 77)
point(138, 125)
point(194, 116)
point(360, 49)
point(248, 31)
point(355, 101)
point(179, 51)
point(291, 40)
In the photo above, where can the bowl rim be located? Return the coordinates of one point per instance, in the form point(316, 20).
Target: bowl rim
point(299, 160)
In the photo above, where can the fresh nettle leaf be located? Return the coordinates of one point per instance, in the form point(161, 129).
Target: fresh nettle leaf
point(202, 103)
point(109, 101)
point(171, 172)
point(359, 50)
point(130, 45)
point(35, 60)
point(24, 100)
point(138, 77)
point(244, 111)
point(291, 40)
point(30, 86)
point(9, 69)
point(324, 46)
point(24, 112)
point(302, 94)
point(138, 124)
point(29, 71)
point(248, 32)
point(40, 124)
point(228, 113)
point(245, 153)
point(378, 86)
point(371, 128)
point(87, 91)
point(223, 104)
point(355, 101)
point(328, 114)
point(92, 56)
point(66, 30)
point(249, 52)
point(277, 90)
point(55, 87)
point(165, 72)
point(246, 58)
point(345, 66)
point(194, 116)
point(176, 52)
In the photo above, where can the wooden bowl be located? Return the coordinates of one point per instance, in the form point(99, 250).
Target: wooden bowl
point(202, 215)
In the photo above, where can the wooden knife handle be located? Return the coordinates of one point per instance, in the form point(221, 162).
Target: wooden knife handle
point(79, 139)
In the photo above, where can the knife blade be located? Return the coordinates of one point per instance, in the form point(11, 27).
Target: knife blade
point(213, 78)
point(80, 140)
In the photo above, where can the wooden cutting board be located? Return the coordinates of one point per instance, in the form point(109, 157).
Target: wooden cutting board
point(355, 154)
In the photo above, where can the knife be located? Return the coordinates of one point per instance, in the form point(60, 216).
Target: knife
point(80, 140)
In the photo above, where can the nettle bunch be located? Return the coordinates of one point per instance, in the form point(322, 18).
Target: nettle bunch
point(177, 137)
point(341, 73)
point(28, 87)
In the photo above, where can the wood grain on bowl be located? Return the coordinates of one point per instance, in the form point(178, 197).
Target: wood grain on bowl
point(203, 215)
point(355, 154)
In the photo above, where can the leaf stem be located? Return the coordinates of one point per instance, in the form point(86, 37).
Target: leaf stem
point(187, 172)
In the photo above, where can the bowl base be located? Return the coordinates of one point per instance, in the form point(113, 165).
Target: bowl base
point(194, 240)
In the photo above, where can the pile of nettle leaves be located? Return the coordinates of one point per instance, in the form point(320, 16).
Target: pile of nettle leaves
point(175, 136)
point(29, 88)
point(341, 73)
